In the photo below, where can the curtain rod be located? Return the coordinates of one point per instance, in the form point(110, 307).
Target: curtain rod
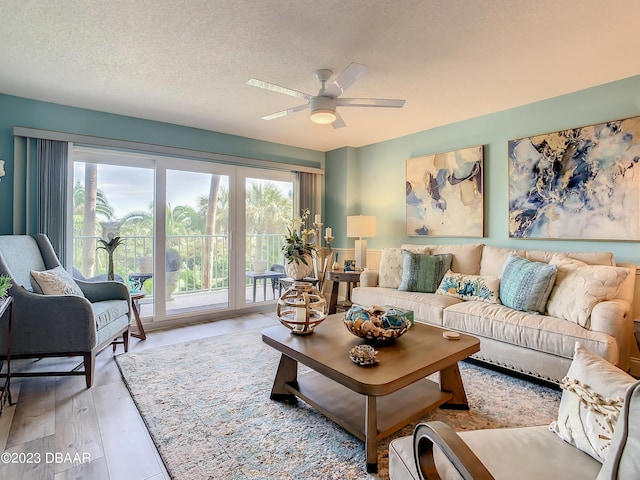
point(160, 149)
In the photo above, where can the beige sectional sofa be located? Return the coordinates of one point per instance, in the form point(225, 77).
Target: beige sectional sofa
point(535, 344)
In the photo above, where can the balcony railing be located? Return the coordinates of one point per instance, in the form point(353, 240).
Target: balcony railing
point(202, 260)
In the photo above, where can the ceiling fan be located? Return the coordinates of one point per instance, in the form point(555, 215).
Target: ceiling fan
point(323, 105)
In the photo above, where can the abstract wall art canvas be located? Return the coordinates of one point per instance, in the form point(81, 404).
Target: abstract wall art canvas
point(444, 194)
point(582, 183)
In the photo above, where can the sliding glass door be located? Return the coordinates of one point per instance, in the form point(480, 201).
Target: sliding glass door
point(197, 233)
point(198, 236)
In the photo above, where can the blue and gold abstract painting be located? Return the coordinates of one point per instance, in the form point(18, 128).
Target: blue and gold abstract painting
point(582, 183)
point(444, 194)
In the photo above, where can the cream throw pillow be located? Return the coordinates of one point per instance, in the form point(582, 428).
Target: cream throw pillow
point(592, 397)
point(579, 287)
point(56, 281)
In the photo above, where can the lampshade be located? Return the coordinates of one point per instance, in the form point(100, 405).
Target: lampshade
point(361, 226)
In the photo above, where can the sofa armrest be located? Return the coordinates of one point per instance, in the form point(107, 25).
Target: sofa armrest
point(369, 278)
point(426, 435)
point(613, 317)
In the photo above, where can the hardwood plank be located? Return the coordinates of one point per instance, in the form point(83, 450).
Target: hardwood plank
point(77, 431)
point(34, 416)
point(128, 449)
point(8, 413)
point(31, 460)
point(94, 470)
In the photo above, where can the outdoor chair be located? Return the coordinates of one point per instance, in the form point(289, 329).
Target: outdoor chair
point(522, 453)
point(58, 323)
point(275, 282)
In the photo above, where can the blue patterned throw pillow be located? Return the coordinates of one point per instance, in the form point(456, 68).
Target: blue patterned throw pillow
point(470, 287)
point(423, 273)
point(526, 285)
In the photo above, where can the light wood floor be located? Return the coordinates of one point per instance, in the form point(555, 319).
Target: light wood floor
point(59, 420)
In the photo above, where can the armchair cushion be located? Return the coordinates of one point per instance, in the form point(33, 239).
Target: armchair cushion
point(592, 397)
point(107, 311)
point(56, 281)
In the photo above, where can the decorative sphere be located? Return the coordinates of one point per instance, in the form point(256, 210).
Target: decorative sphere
point(376, 323)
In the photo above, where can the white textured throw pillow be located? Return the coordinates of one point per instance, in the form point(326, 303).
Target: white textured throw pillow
point(592, 397)
point(390, 270)
point(579, 287)
point(56, 281)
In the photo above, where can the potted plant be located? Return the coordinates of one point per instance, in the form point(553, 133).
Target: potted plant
point(298, 248)
point(110, 247)
point(5, 285)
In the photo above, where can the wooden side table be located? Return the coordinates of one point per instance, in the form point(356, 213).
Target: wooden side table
point(135, 298)
point(5, 395)
point(337, 276)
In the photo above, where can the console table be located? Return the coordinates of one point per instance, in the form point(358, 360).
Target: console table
point(5, 395)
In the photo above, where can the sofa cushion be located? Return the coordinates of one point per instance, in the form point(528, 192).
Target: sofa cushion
point(56, 281)
point(466, 257)
point(470, 287)
point(426, 307)
point(526, 285)
point(423, 273)
point(542, 333)
point(493, 259)
point(579, 287)
point(592, 397)
point(592, 258)
point(390, 269)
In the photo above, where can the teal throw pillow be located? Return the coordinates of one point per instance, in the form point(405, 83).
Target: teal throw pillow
point(423, 273)
point(526, 285)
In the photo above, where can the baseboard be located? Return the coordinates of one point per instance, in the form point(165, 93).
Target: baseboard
point(634, 369)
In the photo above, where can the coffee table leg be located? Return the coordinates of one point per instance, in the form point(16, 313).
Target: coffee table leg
point(451, 381)
point(287, 373)
point(371, 434)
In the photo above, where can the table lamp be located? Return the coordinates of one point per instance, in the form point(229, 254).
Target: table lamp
point(361, 226)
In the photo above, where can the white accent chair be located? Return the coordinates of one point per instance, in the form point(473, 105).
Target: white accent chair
point(524, 453)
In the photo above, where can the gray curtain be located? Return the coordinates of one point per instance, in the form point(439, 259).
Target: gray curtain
point(308, 193)
point(52, 168)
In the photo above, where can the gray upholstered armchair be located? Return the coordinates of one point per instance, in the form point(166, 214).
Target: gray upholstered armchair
point(59, 325)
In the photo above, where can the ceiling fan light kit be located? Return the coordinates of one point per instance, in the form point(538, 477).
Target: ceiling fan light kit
point(323, 105)
point(323, 110)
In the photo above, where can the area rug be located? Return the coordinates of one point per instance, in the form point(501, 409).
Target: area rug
point(206, 405)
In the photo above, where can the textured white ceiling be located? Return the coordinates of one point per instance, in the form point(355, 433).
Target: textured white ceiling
point(187, 62)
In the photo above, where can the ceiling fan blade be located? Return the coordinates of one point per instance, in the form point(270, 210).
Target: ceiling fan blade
point(278, 89)
point(338, 122)
point(285, 112)
point(370, 102)
point(343, 81)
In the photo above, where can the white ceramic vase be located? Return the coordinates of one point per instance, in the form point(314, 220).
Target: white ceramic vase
point(298, 270)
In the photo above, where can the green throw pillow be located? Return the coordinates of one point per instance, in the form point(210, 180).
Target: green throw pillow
point(423, 273)
point(526, 285)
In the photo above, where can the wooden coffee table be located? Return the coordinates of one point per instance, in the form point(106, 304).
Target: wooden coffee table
point(370, 402)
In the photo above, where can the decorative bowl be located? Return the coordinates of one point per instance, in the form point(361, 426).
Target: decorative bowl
point(376, 323)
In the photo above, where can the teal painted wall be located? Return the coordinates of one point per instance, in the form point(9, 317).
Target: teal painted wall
point(16, 111)
point(368, 180)
point(380, 176)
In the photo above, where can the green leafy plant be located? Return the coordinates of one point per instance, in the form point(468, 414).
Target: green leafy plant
point(110, 247)
point(298, 241)
point(5, 285)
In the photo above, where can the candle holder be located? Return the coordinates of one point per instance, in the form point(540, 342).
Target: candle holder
point(301, 308)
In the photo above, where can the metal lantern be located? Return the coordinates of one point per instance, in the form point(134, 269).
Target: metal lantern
point(301, 308)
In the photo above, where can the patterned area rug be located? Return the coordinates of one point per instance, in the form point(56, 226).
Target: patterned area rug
point(206, 405)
